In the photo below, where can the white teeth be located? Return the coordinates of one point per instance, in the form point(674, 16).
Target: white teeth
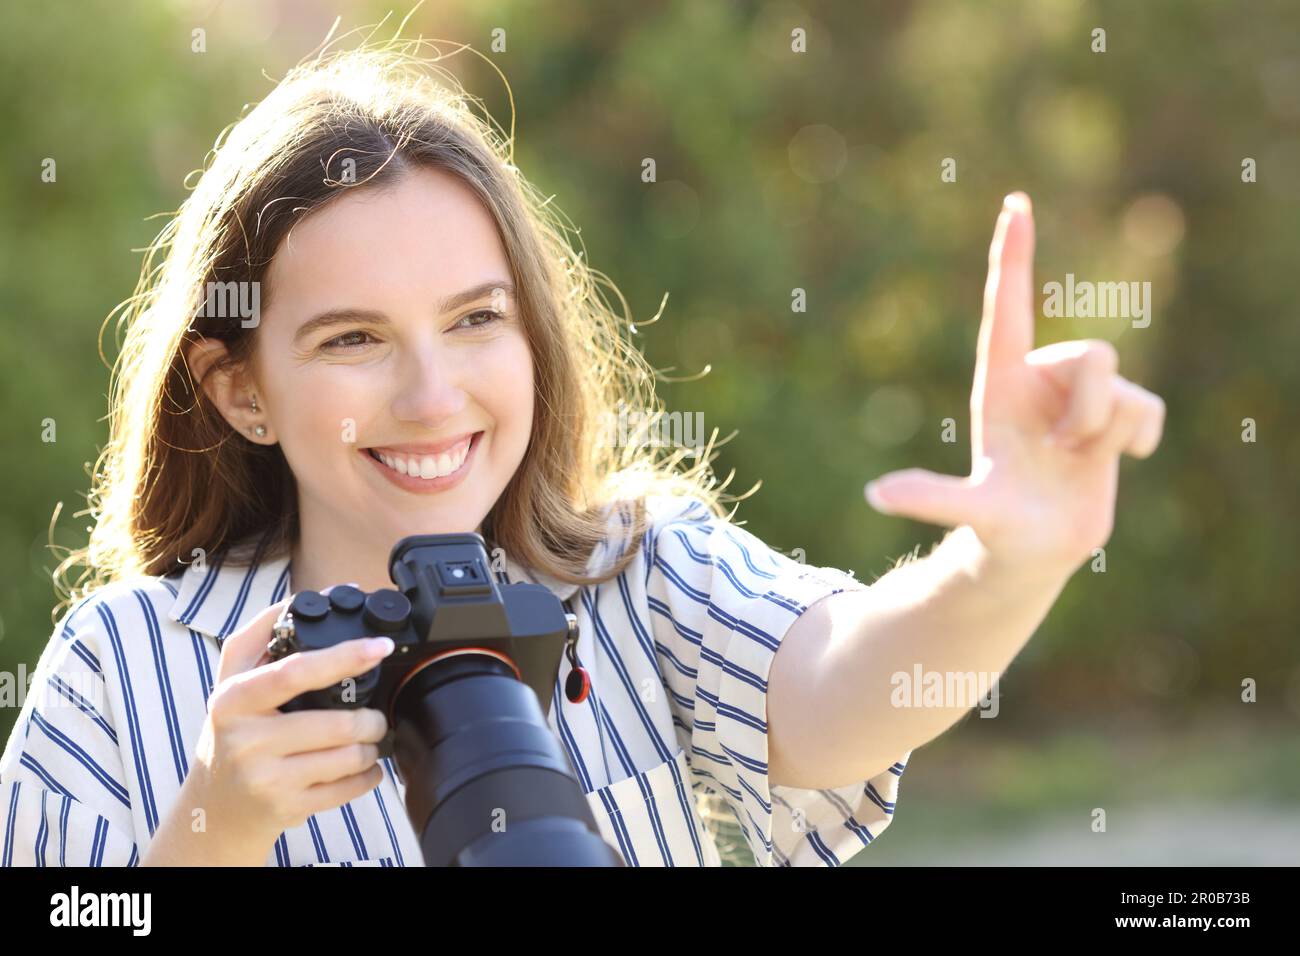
point(427, 466)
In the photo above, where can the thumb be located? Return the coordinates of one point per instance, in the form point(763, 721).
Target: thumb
point(924, 496)
point(243, 650)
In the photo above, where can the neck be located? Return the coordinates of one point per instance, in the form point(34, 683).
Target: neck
point(317, 563)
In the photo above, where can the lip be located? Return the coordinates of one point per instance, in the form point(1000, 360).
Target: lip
point(421, 486)
point(424, 448)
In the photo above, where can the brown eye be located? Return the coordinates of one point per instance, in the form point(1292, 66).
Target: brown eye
point(340, 341)
point(489, 316)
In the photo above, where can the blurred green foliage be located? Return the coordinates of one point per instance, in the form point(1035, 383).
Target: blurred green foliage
point(777, 171)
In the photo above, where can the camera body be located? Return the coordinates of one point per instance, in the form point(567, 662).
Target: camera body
point(449, 603)
point(470, 738)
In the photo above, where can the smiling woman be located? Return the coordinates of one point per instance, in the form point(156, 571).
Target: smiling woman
point(425, 354)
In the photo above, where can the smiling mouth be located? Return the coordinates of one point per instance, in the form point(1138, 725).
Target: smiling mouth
point(427, 467)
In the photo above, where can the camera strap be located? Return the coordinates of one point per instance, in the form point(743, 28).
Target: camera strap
point(578, 684)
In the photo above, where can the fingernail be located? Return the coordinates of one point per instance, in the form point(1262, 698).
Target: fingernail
point(379, 646)
point(873, 497)
point(1017, 202)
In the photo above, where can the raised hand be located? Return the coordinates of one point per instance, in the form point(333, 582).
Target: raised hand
point(1047, 427)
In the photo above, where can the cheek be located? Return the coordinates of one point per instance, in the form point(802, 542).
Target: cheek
point(511, 385)
point(322, 415)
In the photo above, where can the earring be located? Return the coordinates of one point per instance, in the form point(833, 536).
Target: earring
point(253, 403)
point(260, 431)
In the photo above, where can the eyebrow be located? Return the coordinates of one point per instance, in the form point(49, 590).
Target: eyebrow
point(449, 304)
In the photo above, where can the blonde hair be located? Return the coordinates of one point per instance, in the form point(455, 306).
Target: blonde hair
point(175, 477)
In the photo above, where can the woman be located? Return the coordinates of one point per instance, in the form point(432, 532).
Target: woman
point(366, 326)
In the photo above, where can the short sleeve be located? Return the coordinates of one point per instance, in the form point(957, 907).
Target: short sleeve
point(63, 797)
point(721, 602)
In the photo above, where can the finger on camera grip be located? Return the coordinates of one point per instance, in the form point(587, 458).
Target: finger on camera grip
point(330, 796)
point(327, 766)
point(305, 731)
point(281, 681)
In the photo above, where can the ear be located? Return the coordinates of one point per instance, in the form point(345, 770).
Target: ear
point(232, 391)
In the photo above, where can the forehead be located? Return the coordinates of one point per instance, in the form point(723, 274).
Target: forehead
point(424, 235)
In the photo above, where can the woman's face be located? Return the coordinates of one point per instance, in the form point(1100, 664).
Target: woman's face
point(424, 364)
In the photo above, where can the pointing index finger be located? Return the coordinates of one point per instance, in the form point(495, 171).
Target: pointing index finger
point(1007, 326)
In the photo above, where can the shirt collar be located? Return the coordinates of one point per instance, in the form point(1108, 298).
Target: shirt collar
point(220, 598)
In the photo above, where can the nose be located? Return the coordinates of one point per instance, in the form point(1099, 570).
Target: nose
point(428, 390)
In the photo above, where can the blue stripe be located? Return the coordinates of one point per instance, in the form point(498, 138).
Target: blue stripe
point(729, 534)
point(685, 671)
point(68, 630)
point(734, 794)
point(648, 553)
point(743, 627)
point(874, 796)
point(132, 720)
point(688, 812)
point(758, 832)
point(850, 822)
point(77, 753)
point(14, 792)
point(669, 572)
point(232, 619)
point(34, 765)
point(715, 612)
point(695, 637)
point(710, 656)
point(780, 600)
point(815, 841)
point(700, 557)
point(620, 828)
point(322, 855)
point(638, 626)
point(388, 824)
point(620, 748)
point(196, 603)
point(570, 743)
point(766, 805)
point(696, 749)
point(280, 586)
point(83, 705)
point(201, 665)
point(101, 839)
point(63, 829)
point(742, 717)
point(354, 831)
point(656, 824)
point(91, 660)
point(684, 702)
point(611, 651)
point(43, 834)
point(749, 763)
point(170, 718)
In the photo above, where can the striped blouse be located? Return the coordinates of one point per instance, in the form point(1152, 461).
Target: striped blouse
point(678, 647)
